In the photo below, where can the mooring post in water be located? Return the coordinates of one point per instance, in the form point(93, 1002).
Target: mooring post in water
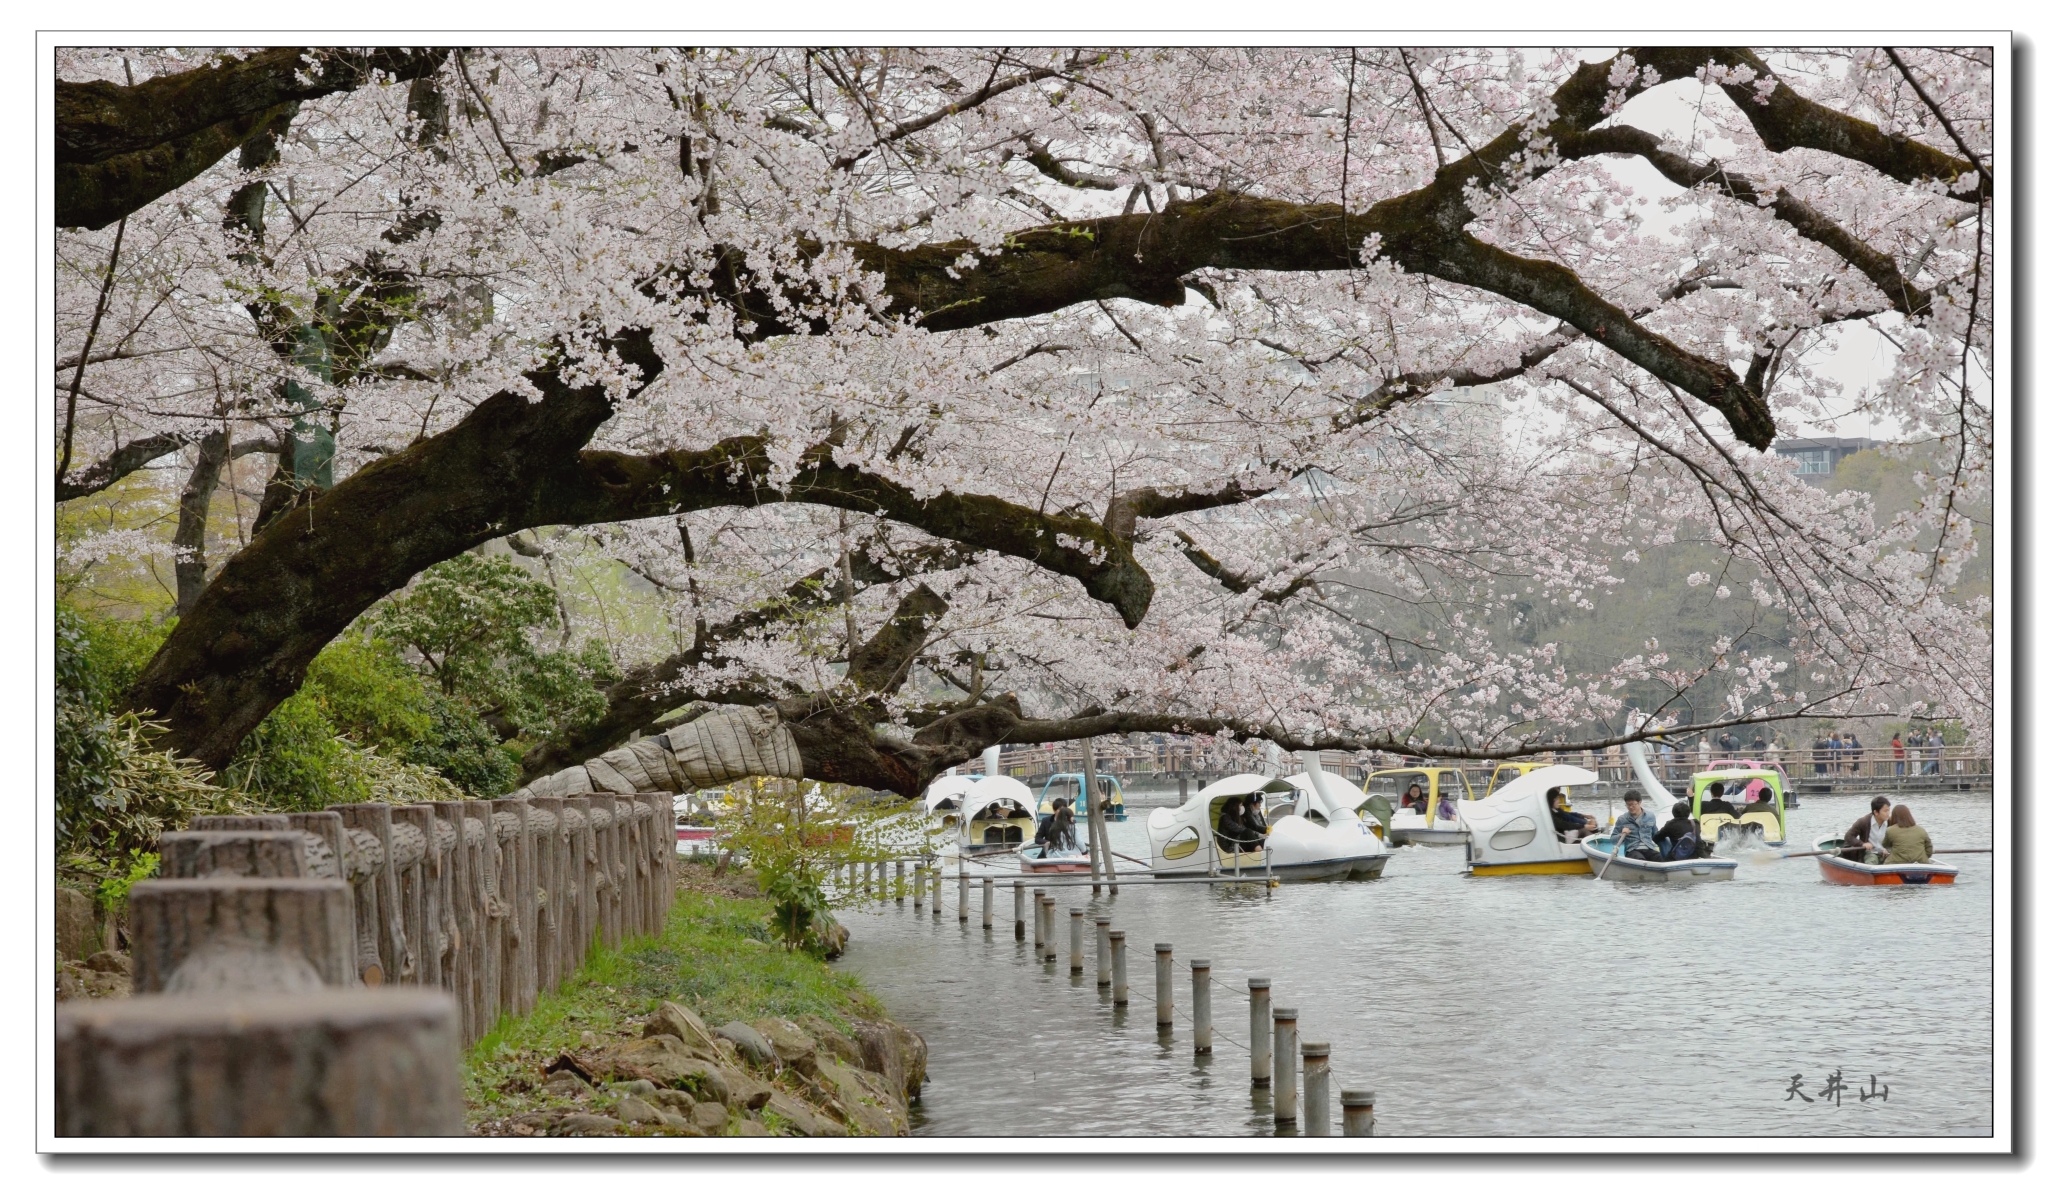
point(988, 902)
point(917, 887)
point(963, 892)
point(1037, 918)
point(899, 879)
point(1102, 951)
point(1262, 1031)
point(1205, 1036)
point(1162, 985)
point(1017, 899)
point(1120, 983)
point(1052, 941)
point(1286, 1057)
point(1076, 926)
point(1358, 1113)
point(1315, 1088)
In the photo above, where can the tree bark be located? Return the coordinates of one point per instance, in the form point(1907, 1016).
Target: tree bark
point(121, 147)
point(118, 464)
point(193, 507)
point(510, 465)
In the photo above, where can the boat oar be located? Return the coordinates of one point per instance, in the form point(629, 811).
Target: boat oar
point(1611, 852)
point(1837, 851)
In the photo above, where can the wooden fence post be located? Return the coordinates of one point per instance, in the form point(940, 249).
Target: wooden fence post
point(298, 928)
point(333, 1063)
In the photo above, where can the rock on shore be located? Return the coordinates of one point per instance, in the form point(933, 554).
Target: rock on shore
point(773, 1076)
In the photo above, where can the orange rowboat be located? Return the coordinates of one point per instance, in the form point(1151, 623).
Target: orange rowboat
point(1837, 870)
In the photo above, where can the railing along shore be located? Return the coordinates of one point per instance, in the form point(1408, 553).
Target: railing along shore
point(1174, 761)
point(256, 947)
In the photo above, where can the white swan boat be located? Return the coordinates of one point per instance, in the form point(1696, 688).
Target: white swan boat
point(995, 815)
point(1343, 848)
point(1511, 833)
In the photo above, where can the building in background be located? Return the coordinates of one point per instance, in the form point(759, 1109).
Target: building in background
point(1818, 457)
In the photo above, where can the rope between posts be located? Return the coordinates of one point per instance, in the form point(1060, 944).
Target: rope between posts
point(1214, 1031)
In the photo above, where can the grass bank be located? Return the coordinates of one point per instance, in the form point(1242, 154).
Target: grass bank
point(715, 956)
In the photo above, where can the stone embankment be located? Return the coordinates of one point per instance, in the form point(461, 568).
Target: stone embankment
point(771, 1077)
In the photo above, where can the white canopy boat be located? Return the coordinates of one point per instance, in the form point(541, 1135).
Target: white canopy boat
point(1439, 790)
point(996, 815)
point(943, 797)
point(1184, 840)
point(1303, 803)
point(1511, 833)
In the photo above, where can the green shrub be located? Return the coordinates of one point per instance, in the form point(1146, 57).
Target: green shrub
point(144, 792)
point(371, 694)
point(471, 622)
point(294, 761)
point(464, 749)
point(112, 788)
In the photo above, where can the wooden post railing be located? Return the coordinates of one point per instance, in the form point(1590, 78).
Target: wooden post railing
point(460, 911)
point(1179, 755)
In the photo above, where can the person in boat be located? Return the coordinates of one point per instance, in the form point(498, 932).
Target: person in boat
point(1679, 838)
point(1633, 830)
point(1762, 804)
point(1569, 825)
point(1447, 808)
point(1866, 834)
point(1715, 803)
point(1255, 823)
point(1058, 834)
point(1417, 797)
point(1905, 840)
point(1231, 832)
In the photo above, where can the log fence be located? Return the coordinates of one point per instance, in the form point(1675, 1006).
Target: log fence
point(461, 912)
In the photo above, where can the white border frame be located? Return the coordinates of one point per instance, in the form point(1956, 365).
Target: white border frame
point(2006, 284)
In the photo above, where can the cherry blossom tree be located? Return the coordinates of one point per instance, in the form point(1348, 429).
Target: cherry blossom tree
point(957, 397)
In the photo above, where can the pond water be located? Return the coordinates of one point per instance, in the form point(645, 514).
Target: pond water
point(1532, 1005)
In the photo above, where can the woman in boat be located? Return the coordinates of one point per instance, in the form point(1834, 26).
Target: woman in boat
point(1058, 834)
point(1413, 798)
point(1905, 840)
point(1572, 826)
point(1231, 832)
point(1255, 823)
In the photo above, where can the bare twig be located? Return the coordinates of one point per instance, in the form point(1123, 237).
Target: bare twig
point(92, 331)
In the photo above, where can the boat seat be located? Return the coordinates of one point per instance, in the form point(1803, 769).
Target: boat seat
point(1768, 820)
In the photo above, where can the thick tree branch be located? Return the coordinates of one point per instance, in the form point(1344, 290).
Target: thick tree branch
point(1784, 119)
point(1807, 221)
point(118, 464)
point(614, 487)
point(646, 693)
point(121, 147)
